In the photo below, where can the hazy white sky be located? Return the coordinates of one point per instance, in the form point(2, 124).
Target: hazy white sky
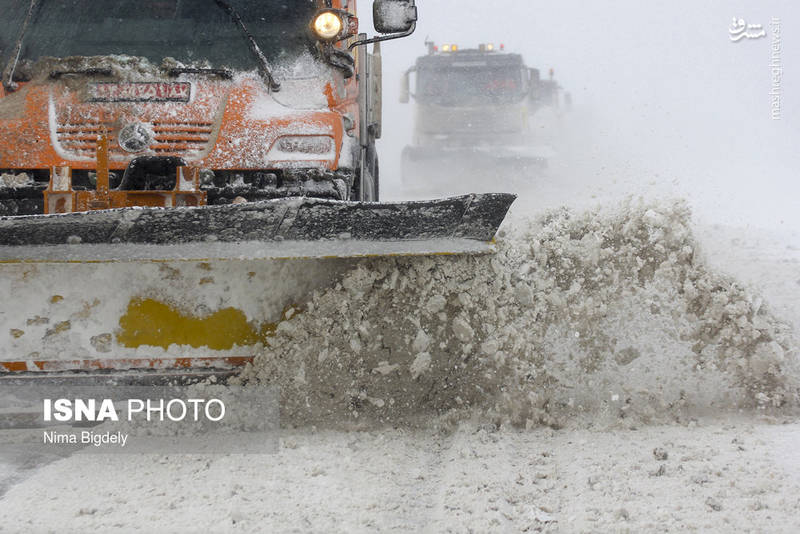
point(664, 80)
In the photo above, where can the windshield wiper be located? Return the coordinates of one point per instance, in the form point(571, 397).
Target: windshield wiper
point(91, 71)
point(222, 73)
point(263, 64)
point(8, 72)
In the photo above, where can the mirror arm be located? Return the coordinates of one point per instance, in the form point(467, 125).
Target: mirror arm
point(340, 59)
point(385, 37)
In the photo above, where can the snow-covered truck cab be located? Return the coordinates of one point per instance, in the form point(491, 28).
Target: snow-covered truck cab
point(475, 106)
point(175, 175)
point(170, 103)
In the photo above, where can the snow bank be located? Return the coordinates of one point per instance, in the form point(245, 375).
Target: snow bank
point(601, 316)
point(14, 181)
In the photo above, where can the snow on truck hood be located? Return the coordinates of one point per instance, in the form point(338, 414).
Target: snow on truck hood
point(209, 121)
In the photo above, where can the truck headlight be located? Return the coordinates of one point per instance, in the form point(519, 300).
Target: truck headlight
point(327, 25)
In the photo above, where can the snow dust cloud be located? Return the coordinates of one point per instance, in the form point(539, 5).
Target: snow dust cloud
point(585, 316)
point(665, 104)
point(602, 300)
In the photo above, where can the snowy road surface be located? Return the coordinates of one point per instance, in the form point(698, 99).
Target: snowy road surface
point(737, 474)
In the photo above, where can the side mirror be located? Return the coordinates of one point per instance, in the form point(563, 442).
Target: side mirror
point(394, 16)
point(404, 88)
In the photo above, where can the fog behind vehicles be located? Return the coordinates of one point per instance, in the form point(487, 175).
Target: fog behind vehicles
point(477, 109)
point(193, 131)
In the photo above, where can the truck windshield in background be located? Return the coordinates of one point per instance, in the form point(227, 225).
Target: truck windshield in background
point(470, 85)
point(198, 32)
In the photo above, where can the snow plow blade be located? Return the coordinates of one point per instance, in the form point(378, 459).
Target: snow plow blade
point(138, 371)
point(274, 229)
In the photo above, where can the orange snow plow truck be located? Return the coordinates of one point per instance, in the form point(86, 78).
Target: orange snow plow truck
point(158, 131)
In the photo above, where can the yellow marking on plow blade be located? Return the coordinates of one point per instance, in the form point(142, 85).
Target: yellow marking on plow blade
point(148, 322)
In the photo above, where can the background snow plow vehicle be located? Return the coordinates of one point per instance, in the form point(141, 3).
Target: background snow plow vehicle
point(165, 131)
point(478, 108)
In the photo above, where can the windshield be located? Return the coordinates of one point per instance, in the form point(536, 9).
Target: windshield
point(194, 32)
point(458, 86)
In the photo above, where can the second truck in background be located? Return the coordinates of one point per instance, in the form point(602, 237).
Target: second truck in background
point(478, 107)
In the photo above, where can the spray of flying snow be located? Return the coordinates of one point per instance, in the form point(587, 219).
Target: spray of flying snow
point(579, 317)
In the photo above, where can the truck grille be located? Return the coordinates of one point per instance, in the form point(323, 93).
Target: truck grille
point(178, 138)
